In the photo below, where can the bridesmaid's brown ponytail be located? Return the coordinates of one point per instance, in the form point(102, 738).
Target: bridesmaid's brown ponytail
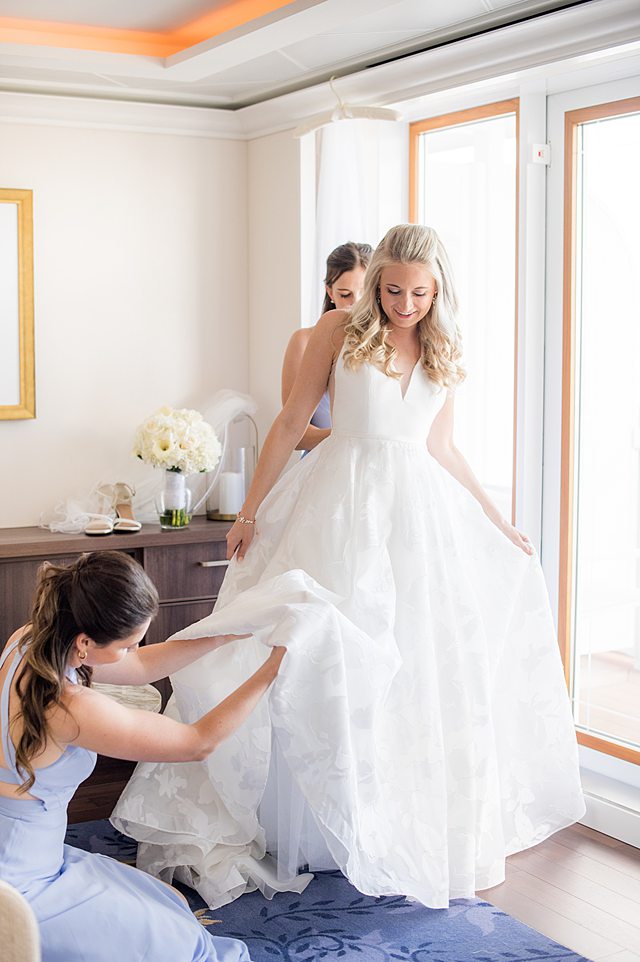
point(105, 595)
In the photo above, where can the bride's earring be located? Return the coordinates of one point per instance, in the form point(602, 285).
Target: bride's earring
point(82, 655)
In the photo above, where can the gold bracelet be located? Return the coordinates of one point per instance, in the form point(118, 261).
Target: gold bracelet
point(241, 518)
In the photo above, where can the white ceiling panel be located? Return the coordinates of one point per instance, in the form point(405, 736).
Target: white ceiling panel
point(334, 51)
point(37, 75)
point(94, 87)
point(502, 4)
point(218, 91)
point(272, 68)
point(413, 15)
point(205, 88)
point(120, 14)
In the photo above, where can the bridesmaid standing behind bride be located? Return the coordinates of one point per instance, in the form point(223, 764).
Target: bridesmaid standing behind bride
point(343, 284)
point(422, 717)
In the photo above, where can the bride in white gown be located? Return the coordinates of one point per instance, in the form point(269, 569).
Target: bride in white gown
point(419, 730)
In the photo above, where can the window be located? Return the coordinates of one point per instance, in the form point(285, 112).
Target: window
point(464, 184)
point(599, 596)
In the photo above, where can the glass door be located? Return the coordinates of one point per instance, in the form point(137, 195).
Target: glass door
point(463, 181)
point(599, 463)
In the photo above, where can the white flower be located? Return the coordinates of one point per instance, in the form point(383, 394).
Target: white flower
point(177, 439)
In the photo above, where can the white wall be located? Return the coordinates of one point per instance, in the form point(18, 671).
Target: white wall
point(274, 264)
point(141, 297)
point(285, 288)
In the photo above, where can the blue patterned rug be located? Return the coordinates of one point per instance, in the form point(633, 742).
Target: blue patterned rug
point(331, 920)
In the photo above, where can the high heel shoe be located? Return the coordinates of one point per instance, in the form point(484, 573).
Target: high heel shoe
point(125, 522)
point(100, 520)
point(98, 524)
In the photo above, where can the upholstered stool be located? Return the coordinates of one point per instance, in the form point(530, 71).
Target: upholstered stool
point(133, 696)
point(19, 934)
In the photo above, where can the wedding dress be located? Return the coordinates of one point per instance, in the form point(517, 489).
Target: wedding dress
point(420, 717)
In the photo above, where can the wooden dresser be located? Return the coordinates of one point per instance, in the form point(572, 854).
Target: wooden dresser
point(187, 567)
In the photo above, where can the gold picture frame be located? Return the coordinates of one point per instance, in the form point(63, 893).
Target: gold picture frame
point(17, 349)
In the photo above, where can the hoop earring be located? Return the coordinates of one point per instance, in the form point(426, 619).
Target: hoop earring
point(82, 655)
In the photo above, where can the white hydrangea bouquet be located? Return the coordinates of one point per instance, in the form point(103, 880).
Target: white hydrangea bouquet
point(182, 443)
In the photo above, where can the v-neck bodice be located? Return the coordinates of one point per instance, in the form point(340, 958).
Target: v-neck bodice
point(369, 403)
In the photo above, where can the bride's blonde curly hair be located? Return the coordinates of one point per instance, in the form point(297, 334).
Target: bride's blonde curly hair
point(366, 334)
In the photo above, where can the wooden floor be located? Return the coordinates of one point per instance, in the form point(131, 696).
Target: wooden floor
point(580, 888)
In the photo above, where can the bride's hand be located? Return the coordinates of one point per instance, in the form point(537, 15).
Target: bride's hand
point(239, 538)
point(519, 539)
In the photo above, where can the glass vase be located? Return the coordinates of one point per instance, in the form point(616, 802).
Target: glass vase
point(173, 501)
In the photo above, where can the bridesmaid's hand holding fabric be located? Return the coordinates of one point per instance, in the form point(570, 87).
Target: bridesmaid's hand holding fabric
point(277, 654)
point(221, 640)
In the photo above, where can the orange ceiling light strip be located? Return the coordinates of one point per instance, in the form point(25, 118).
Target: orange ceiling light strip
point(144, 43)
point(41, 33)
point(234, 14)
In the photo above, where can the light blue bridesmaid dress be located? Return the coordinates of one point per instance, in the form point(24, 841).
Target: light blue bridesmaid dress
point(90, 908)
point(322, 415)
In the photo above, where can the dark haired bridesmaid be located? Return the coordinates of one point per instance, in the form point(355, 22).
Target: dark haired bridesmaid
point(87, 622)
point(343, 285)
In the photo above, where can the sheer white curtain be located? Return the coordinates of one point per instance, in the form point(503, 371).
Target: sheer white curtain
point(361, 178)
point(467, 192)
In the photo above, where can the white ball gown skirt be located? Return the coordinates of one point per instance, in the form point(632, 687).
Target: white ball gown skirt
point(419, 730)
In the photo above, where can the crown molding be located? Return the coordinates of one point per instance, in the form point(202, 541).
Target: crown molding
point(57, 111)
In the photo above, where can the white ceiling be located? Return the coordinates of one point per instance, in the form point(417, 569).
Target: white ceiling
point(301, 45)
point(123, 14)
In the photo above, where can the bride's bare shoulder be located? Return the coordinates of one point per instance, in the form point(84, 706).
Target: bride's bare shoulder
point(331, 327)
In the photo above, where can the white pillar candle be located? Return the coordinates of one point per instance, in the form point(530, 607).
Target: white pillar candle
point(231, 492)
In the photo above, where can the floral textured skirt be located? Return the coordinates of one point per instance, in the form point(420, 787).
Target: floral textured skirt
point(421, 711)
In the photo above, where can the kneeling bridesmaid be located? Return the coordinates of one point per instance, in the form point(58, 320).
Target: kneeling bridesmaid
point(87, 622)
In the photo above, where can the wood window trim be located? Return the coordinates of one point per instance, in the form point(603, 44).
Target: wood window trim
point(457, 119)
point(573, 119)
